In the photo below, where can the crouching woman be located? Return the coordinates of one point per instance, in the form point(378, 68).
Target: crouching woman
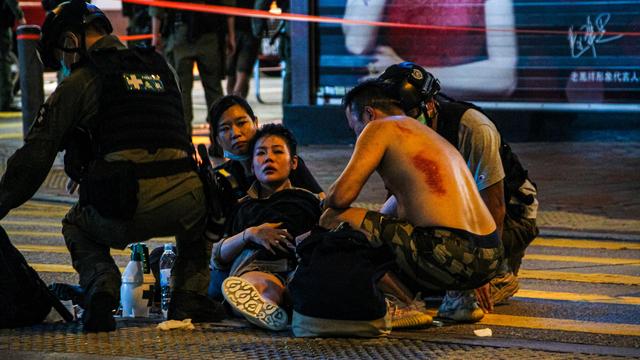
point(260, 253)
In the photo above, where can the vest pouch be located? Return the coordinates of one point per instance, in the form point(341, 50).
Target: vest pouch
point(111, 187)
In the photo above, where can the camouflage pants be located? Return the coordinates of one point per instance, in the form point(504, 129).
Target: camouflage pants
point(437, 258)
point(517, 234)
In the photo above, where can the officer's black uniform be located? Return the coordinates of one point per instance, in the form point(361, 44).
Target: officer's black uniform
point(129, 103)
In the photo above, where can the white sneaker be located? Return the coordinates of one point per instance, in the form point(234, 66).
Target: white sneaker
point(246, 300)
point(460, 306)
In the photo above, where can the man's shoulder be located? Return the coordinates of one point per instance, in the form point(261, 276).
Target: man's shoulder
point(474, 120)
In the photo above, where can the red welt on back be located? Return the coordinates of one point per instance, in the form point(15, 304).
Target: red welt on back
point(431, 172)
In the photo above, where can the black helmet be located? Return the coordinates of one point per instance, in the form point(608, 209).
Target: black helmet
point(410, 83)
point(72, 16)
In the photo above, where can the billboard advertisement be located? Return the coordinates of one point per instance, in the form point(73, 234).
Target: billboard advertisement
point(504, 52)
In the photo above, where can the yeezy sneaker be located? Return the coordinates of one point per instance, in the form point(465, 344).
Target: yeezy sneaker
point(198, 308)
point(407, 316)
point(98, 314)
point(245, 299)
point(503, 287)
point(460, 306)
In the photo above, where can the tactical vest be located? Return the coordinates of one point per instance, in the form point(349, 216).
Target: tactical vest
point(140, 106)
point(449, 117)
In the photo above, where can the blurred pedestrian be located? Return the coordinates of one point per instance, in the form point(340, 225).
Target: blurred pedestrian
point(240, 63)
point(196, 38)
point(10, 12)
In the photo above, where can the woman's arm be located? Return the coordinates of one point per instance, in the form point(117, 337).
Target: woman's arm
point(267, 235)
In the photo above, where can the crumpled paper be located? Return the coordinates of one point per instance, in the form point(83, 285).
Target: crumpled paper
point(176, 324)
point(483, 332)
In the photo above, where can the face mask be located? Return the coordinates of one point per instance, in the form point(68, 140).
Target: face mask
point(65, 71)
point(422, 119)
point(232, 156)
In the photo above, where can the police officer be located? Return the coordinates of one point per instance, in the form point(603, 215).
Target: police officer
point(118, 116)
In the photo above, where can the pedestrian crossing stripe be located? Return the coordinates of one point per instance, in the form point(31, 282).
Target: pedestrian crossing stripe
point(522, 293)
point(583, 259)
point(11, 135)
point(582, 326)
point(489, 319)
point(567, 296)
point(579, 277)
point(586, 244)
point(11, 125)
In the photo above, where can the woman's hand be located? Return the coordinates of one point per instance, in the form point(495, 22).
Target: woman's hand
point(270, 237)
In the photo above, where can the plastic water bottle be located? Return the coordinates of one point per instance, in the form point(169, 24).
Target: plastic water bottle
point(131, 288)
point(167, 260)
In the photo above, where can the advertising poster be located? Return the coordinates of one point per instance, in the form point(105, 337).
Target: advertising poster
point(501, 51)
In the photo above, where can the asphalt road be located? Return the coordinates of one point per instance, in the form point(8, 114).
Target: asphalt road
point(573, 291)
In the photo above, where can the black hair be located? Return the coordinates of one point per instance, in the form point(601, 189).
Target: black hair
point(223, 104)
point(275, 130)
point(373, 93)
point(215, 113)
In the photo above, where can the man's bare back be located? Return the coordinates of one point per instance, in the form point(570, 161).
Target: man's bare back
point(428, 177)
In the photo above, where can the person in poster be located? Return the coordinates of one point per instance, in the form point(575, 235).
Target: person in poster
point(451, 54)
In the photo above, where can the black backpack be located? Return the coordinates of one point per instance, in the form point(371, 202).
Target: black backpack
point(337, 275)
point(24, 298)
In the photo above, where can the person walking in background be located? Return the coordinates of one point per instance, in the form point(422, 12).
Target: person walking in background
point(198, 38)
point(240, 63)
point(9, 13)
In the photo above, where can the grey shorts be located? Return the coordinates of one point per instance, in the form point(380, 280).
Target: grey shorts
point(260, 260)
point(247, 48)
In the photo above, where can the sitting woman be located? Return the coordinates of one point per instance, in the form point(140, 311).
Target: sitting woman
point(260, 253)
point(233, 127)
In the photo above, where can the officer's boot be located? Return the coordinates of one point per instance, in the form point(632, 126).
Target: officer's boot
point(101, 299)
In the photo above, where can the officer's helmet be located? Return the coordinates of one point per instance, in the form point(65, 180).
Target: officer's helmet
point(72, 16)
point(411, 84)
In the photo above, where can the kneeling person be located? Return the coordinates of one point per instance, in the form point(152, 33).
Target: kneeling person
point(443, 237)
point(260, 253)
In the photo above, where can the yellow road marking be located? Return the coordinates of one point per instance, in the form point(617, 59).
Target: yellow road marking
point(11, 135)
point(31, 223)
point(561, 324)
point(39, 234)
point(579, 277)
point(61, 268)
point(586, 244)
point(53, 249)
point(11, 125)
point(38, 213)
point(10, 114)
point(528, 322)
point(580, 259)
point(566, 296)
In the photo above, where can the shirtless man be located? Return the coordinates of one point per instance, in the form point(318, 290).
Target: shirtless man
point(444, 237)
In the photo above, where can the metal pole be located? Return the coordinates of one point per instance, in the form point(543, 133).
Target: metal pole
point(31, 69)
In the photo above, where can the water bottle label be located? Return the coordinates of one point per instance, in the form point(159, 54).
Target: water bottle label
point(165, 277)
